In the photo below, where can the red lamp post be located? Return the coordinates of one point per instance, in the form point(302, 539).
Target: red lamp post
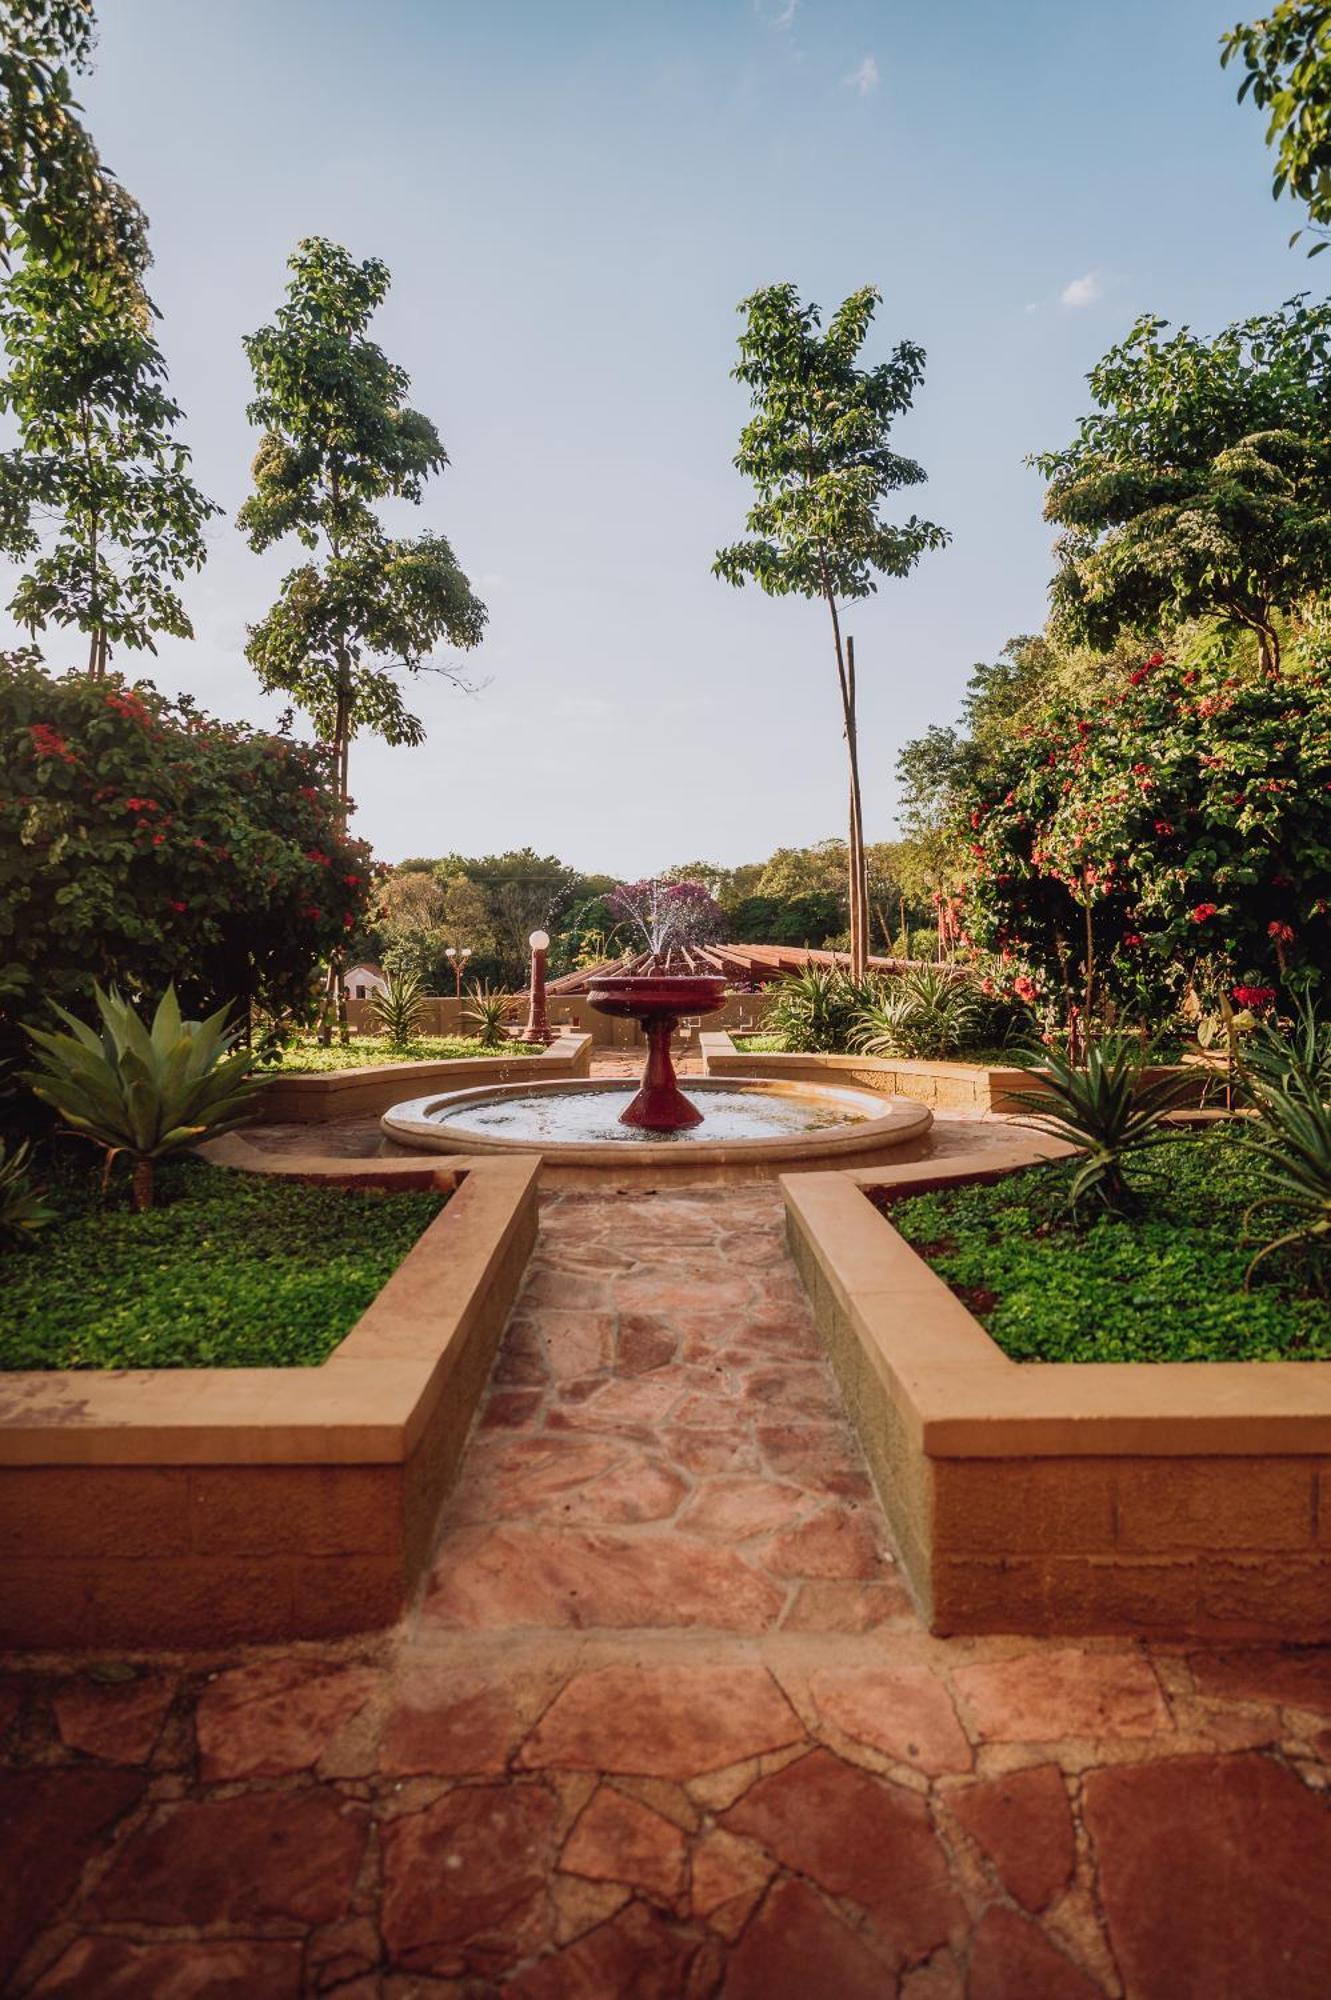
point(458, 959)
point(537, 1028)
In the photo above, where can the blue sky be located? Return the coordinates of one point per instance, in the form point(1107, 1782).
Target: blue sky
point(573, 196)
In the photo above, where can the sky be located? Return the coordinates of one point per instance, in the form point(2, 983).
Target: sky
point(573, 196)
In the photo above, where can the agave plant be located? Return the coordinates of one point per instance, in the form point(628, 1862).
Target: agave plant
point(1293, 1145)
point(145, 1091)
point(1105, 1109)
point(815, 1011)
point(22, 1209)
point(1297, 1060)
point(923, 1014)
point(398, 1006)
point(488, 1015)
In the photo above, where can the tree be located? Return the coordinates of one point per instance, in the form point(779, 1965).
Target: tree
point(56, 197)
point(1287, 62)
point(817, 452)
point(338, 438)
point(97, 455)
point(1201, 484)
point(142, 841)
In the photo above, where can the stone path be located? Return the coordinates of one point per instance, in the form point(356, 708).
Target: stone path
point(664, 1724)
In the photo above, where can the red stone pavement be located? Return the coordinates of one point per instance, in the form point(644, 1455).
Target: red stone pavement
point(664, 1723)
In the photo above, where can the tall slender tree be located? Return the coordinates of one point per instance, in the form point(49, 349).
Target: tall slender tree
point(817, 451)
point(96, 499)
point(338, 438)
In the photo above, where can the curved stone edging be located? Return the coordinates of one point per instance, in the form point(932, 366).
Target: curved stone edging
point(351, 1093)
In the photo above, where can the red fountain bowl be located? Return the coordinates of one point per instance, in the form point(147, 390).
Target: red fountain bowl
point(658, 1001)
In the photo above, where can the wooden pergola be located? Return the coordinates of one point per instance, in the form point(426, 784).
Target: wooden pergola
point(740, 964)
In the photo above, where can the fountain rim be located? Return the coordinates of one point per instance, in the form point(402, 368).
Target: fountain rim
point(899, 1120)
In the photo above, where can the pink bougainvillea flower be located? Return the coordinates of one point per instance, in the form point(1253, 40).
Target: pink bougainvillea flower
point(1282, 933)
point(1254, 996)
point(1202, 912)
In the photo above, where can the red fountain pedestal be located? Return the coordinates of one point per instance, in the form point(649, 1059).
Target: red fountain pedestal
point(658, 1001)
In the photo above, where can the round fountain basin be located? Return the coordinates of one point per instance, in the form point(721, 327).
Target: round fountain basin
point(749, 1131)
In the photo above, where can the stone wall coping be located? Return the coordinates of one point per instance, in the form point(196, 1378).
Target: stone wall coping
point(964, 1398)
point(334, 1093)
point(368, 1403)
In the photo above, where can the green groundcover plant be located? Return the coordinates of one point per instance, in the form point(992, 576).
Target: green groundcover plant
point(228, 1270)
point(1166, 1284)
point(305, 1057)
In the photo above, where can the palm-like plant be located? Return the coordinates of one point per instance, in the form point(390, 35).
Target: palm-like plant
point(815, 1011)
point(23, 1210)
point(1105, 1109)
point(145, 1091)
point(922, 1015)
point(1293, 1146)
point(1299, 1060)
point(488, 1015)
point(398, 1006)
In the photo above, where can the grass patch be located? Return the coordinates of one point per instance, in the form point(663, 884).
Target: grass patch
point(306, 1058)
point(231, 1270)
point(1164, 1285)
point(760, 1045)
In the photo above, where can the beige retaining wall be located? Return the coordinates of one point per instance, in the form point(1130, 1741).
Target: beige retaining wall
point(199, 1507)
point(1174, 1499)
point(947, 1086)
point(357, 1093)
point(744, 1013)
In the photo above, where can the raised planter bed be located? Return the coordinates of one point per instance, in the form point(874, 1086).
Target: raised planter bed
point(1177, 1499)
point(195, 1507)
point(356, 1093)
point(947, 1086)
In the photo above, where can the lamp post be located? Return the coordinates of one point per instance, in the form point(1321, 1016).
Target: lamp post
point(458, 961)
point(537, 1029)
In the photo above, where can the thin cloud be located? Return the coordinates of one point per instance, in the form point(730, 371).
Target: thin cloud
point(1082, 291)
point(776, 13)
point(863, 79)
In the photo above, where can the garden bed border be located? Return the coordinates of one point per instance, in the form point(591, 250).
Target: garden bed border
point(309, 1099)
point(1188, 1499)
point(194, 1507)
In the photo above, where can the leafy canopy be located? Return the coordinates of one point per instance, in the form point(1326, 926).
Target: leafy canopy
point(1201, 483)
point(1286, 58)
point(97, 456)
point(56, 197)
point(338, 438)
point(817, 451)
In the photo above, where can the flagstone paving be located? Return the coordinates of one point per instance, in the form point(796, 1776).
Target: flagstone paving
point(664, 1723)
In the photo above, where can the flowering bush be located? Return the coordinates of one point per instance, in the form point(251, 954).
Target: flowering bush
point(1182, 818)
point(142, 841)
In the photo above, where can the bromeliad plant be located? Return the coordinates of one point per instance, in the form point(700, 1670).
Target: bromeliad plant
point(1107, 1110)
point(815, 1011)
point(1288, 1079)
point(488, 1015)
point(398, 1007)
point(145, 1091)
point(22, 1209)
point(925, 1014)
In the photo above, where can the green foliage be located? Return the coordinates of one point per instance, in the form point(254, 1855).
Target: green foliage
point(141, 840)
point(1164, 1285)
point(55, 194)
point(1297, 1057)
point(1182, 818)
point(229, 1270)
point(96, 456)
point(398, 1006)
point(1202, 482)
point(1288, 1079)
point(1107, 1108)
point(147, 1092)
point(925, 1014)
point(23, 1207)
point(339, 438)
point(817, 451)
point(488, 1013)
point(817, 1010)
point(1287, 61)
point(305, 1057)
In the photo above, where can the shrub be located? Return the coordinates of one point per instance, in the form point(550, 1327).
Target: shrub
point(1106, 1110)
point(815, 1011)
point(398, 1006)
point(925, 1014)
point(23, 1208)
point(147, 1092)
point(142, 841)
point(488, 1015)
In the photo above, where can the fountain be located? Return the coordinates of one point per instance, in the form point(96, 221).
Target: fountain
point(658, 1001)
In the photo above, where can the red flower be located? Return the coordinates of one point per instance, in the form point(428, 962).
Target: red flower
point(1254, 996)
point(179, 908)
point(48, 742)
point(1024, 987)
point(1163, 828)
point(1282, 933)
point(1203, 911)
point(1132, 939)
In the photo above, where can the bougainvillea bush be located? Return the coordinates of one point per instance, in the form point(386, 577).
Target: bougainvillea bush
point(1185, 814)
point(142, 841)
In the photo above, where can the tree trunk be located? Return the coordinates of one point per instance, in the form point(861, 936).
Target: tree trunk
point(144, 1174)
point(856, 894)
